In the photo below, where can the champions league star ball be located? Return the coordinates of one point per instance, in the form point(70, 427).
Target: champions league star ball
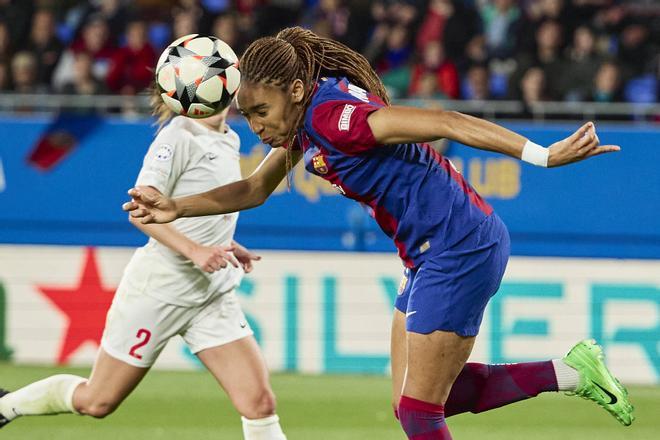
point(198, 76)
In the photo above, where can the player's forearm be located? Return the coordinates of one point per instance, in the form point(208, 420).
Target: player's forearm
point(243, 194)
point(167, 235)
point(396, 125)
point(482, 134)
point(233, 197)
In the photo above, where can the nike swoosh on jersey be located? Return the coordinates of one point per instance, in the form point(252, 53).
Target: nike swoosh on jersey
point(410, 313)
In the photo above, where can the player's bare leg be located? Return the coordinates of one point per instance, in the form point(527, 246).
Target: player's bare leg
point(110, 382)
point(434, 362)
point(398, 354)
point(240, 369)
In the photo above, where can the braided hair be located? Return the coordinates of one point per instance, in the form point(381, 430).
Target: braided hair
point(297, 53)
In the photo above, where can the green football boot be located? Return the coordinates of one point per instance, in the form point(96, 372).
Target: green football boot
point(596, 381)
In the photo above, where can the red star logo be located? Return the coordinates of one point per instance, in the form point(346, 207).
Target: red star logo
point(85, 307)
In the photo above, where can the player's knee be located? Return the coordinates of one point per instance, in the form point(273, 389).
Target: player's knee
point(261, 404)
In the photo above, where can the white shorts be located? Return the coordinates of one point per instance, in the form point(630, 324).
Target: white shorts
point(138, 326)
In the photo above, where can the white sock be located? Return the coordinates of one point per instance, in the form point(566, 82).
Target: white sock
point(568, 377)
point(263, 429)
point(53, 395)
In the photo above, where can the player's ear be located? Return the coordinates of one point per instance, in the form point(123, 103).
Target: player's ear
point(297, 91)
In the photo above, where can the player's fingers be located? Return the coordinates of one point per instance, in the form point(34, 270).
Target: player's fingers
point(580, 132)
point(586, 139)
point(129, 206)
point(231, 259)
point(208, 268)
point(214, 264)
point(146, 194)
point(138, 212)
point(247, 267)
point(588, 146)
point(148, 218)
point(603, 149)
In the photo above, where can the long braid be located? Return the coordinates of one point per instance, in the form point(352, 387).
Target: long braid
point(297, 53)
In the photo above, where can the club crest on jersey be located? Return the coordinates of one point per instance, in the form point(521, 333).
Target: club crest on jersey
point(345, 118)
point(319, 164)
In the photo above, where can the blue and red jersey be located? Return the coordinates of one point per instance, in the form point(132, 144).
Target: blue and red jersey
point(414, 193)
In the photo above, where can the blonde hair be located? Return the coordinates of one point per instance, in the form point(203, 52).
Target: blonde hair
point(159, 109)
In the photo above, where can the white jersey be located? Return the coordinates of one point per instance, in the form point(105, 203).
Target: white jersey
point(187, 158)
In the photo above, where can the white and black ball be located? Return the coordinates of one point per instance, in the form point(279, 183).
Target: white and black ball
point(198, 75)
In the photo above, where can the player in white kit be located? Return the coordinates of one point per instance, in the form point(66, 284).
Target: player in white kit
point(180, 283)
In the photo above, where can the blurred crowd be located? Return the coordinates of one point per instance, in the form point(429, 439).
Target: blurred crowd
point(529, 50)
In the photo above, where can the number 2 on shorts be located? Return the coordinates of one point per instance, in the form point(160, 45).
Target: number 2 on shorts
point(146, 335)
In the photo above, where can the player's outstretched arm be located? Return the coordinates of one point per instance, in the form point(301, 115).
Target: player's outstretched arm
point(152, 207)
point(395, 124)
point(207, 258)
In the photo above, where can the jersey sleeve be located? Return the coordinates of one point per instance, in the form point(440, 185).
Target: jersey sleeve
point(344, 125)
point(163, 165)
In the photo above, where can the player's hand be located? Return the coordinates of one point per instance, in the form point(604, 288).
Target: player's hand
point(150, 206)
point(244, 256)
point(213, 258)
point(582, 144)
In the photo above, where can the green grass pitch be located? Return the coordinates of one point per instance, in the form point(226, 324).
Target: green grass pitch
point(191, 406)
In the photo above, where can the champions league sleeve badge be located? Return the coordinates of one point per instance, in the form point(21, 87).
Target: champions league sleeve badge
point(164, 153)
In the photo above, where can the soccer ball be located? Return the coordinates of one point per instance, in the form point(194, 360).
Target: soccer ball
point(197, 75)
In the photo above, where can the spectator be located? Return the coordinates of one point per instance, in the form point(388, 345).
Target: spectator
point(5, 83)
point(451, 22)
point(5, 43)
point(500, 19)
point(607, 83)
point(328, 18)
point(195, 12)
point(533, 89)
point(635, 50)
point(225, 27)
point(435, 63)
point(24, 73)
point(581, 66)
point(477, 83)
point(426, 87)
point(44, 44)
point(83, 82)
point(360, 24)
point(115, 14)
point(16, 15)
point(95, 41)
point(277, 14)
point(547, 56)
point(476, 52)
point(397, 50)
point(185, 23)
point(537, 12)
point(131, 69)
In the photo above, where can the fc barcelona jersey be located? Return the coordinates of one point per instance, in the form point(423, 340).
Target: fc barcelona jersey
point(413, 192)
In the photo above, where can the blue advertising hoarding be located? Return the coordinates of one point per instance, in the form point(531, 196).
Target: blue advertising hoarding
point(63, 180)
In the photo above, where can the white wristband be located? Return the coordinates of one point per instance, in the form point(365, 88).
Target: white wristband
point(535, 154)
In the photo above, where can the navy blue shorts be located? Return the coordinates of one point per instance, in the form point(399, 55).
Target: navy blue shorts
point(449, 291)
